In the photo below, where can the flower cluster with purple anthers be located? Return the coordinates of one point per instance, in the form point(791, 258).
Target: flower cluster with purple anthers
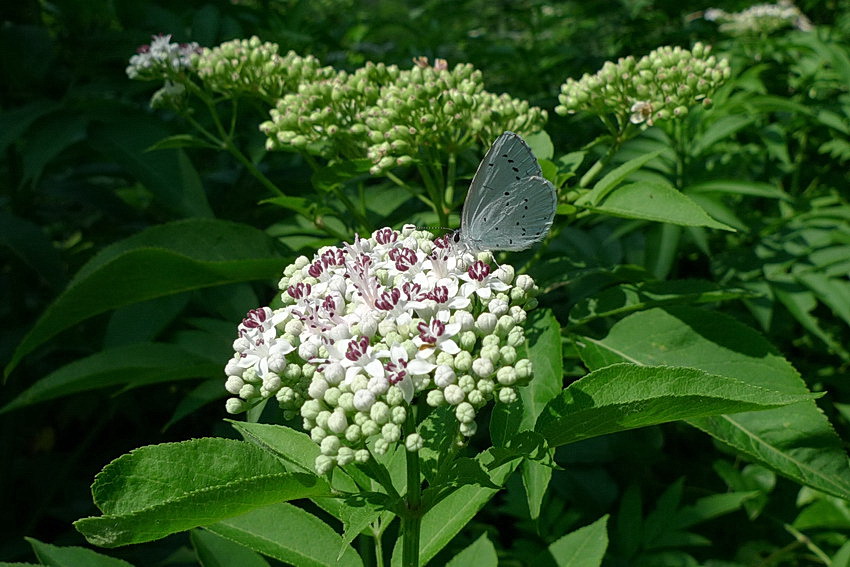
point(161, 57)
point(367, 329)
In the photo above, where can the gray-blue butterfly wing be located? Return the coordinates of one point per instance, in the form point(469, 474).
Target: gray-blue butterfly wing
point(509, 206)
point(516, 219)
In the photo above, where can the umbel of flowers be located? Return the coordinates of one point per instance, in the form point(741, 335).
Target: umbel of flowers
point(253, 67)
point(396, 116)
point(664, 83)
point(368, 329)
point(388, 115)
point(761, 19)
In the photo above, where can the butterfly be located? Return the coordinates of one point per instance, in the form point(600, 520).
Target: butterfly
point(510, 205)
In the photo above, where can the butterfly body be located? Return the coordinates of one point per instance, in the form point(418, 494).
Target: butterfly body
point(510, 205)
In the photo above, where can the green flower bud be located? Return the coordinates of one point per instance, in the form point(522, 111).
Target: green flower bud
point(330, 445)
point(468, 429)
point(463, 361)
point(508, 395)
point(353, 433)
point(453, 394)
point(435, 398)
point(369, 428)
point(380, 413)
point(399, 414)
point(523, 369)
point(235, 405)
point(465, 413)
point(413, 442)
point(324, 464)
point(391, 432)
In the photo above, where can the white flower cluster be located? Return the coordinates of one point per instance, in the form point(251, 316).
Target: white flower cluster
point(760, 19)
point(154, 61)
point(367, 329)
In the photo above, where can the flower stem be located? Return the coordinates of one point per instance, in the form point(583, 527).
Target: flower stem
point(411, 520)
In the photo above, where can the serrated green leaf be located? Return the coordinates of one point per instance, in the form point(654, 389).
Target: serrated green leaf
point(289, 534)
point(162, 260)
point(585, 547)
point(72, 556)
point(796, 441)
point(130, 366)
point(625, 396)
point(294, 447)
point(158, 490)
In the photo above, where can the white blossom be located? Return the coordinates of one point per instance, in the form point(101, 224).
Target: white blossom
point(366, 328)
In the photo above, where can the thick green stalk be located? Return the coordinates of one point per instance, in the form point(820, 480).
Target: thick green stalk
point(411, 519)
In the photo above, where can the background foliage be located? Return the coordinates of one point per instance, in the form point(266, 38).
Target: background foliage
point(770, 160)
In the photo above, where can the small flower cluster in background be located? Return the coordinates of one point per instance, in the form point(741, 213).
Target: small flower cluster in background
point(367, 329)
point(761, 19)
point(249, 66)
point(664, 83)
point(161, 59)
point(396, 117)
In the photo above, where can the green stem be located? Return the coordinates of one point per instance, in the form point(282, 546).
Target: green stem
point(225, 139)
point(411, 519)
point(379, 550)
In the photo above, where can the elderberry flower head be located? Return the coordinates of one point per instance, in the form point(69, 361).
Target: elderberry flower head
point(761, 19)
point(161, 59)
point(389, 115)
point(664, 83)
point(252, 67)
point(369, 328)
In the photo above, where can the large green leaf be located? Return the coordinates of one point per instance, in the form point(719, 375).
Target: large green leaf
point(289, 534)
point(543, 345)
point(162, 260)
point(158, 490)
point(658, 202)
point(130, 366)
point(796, 441)
point(625, 396)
